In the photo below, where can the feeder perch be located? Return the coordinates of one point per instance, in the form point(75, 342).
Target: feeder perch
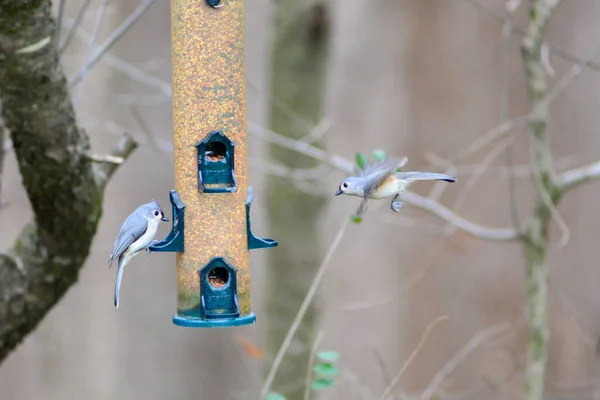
point(174, 240)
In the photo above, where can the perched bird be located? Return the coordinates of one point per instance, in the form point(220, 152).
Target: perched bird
point(136, 234)
point(381, 180)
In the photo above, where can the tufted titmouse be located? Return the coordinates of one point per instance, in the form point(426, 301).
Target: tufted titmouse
point(381, 180)
point(135, 235)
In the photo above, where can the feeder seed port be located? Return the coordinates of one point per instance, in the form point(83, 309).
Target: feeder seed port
point(218, 277)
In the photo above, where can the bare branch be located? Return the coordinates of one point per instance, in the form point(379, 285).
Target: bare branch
point(458, 358)
point(112, 39)
point(473, 229)
point(146, 129)
point(409, 197)
point(88, 59)
point(305, 303)
point(495, 133)
point(132, 71)
point(518, 171)
point(285, 172)
point(473, 179)
point(575, 177)
point(412, 356)
point(59, 18)
point(535, 240)
point(107, 168)
point(559, 51)
point(507, 29)
point(569, 76)
point(74, 26)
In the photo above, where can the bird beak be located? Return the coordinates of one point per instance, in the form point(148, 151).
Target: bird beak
point(338, 192)
point(165, 219)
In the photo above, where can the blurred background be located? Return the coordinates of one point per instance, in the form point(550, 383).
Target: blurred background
point(417, 78)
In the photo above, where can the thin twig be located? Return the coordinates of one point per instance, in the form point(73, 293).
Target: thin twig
point(569, 76)
point(519, 171)
point(425, 260)
point(303, 307)
point(471, 228)
point(112, 39)
point(473, 179)
point(145, 129)
point(104, 171)
point(286, 172)
point(458, 358)
point(575, 177)
point(64, 43)
point(95, 35)
point(384, 371)
point(128, 69)
point(409, 197)
point(318, 131)
point(59, 18)
point(106, 158)
point(559, 51)
point(354, 382)
point(412, 355)
point(311, 360)
point(495, 133)
point(507, 29)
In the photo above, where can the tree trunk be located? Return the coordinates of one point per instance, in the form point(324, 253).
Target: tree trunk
point(64, 187)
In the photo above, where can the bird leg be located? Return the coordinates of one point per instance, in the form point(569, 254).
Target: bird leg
point(396, 205)
point(362, 209)
point(148, 248)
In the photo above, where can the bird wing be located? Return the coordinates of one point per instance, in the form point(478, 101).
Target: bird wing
point(129, 233)
point(376, 173)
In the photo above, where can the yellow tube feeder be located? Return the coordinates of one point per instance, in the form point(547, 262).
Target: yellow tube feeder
point(211, 201)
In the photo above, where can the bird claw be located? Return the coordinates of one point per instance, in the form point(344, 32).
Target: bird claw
point(396, 206)
point(148, 248)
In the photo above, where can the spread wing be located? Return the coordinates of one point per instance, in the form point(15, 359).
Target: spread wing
point(128, 234)
point(378, 171)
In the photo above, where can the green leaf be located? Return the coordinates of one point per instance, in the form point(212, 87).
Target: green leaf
point(322, 383)
point(329, 356)
point(361, 160)
point(379, 154)
point(356, 219)
point(275, 396)
point(326, 369)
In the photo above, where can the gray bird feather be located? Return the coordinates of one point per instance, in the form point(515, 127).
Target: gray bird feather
point(425, 176)
point(376, 173)
point(131, 231)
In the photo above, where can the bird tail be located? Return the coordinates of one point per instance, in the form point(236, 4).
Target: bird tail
point(120, 269)
point(425, 176)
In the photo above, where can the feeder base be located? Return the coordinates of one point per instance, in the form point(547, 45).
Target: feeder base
point(190, 322)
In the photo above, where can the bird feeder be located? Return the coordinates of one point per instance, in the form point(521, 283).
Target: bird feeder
point(210, 231)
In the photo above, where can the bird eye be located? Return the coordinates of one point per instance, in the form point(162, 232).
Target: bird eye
point(156, 213)
point(345, 185)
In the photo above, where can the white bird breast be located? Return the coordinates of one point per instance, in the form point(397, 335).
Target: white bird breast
point(146, 238)
point(390, 188)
